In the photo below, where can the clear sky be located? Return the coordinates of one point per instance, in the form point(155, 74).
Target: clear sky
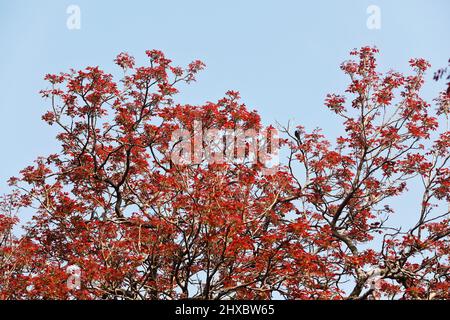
point(283, 56)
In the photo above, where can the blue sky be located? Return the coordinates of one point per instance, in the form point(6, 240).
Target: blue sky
point(283, 56)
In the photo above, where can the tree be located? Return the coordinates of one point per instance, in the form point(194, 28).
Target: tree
point(139, 224)
point(388, 144)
